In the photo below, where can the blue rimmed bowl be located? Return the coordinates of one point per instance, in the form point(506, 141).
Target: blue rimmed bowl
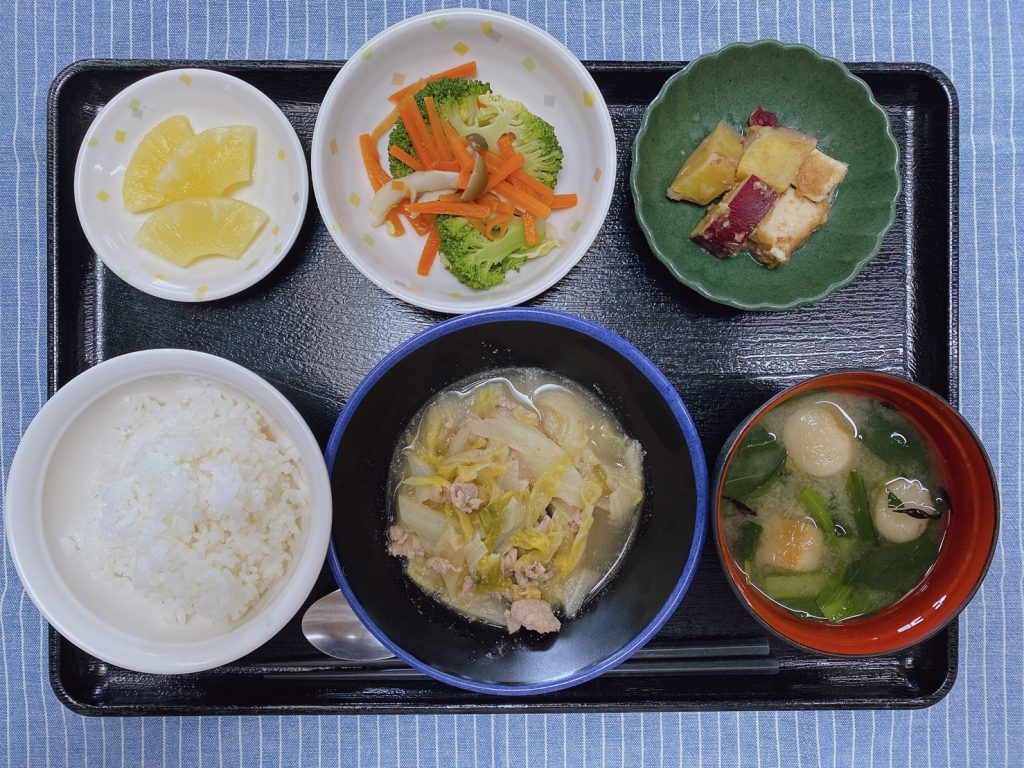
point(655, 573)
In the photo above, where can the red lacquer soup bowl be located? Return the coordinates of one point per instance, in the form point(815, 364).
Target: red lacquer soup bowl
point(967, 546)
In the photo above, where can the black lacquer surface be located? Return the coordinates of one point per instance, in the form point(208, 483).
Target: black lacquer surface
point(315, 327)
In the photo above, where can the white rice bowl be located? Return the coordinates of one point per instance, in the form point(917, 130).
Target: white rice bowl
point(159, 552)
point(196, 503)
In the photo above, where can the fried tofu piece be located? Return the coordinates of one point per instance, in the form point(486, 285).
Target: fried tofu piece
point(786, 227)
point(819, 175)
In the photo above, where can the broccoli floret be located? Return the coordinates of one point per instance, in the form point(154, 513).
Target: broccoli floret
point(473, 259)
point(535, 138)
point(451, 96)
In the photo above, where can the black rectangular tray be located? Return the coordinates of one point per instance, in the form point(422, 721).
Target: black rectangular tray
point(315, 327)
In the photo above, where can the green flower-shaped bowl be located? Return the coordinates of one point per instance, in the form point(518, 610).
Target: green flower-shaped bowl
point(809, 92)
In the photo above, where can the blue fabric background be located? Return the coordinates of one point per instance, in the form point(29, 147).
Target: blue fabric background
point(982, 720)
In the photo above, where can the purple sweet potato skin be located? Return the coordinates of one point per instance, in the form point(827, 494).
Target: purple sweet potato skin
point(730, 223)
point(761, 116)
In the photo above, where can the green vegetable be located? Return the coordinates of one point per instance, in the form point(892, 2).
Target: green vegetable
point(492, 115)
point(476, 261)
point(803, 605)
point(451, 96)
point(846, 602)
point(894, 567)
point(786, 586)
point(817, 510)
point(895, 442)
point(758, 460)
point(858, 496)
point(747, 540)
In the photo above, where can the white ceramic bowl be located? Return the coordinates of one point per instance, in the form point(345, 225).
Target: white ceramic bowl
point(520, 62)
point(208, 99)
point(46, 492)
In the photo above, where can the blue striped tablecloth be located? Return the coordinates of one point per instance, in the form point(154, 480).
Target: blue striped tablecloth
point(976, 44)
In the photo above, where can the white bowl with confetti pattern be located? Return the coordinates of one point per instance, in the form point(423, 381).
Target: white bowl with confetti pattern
point(520, 62)
point(208, 99)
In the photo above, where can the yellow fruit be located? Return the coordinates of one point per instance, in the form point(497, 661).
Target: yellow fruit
point(710, 169)
point(187, 230)
point(210, 163)
point(149, 159)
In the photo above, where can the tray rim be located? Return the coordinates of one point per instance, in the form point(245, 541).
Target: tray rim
point(84, 67)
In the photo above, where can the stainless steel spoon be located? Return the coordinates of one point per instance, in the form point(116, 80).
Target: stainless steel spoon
point(331, 626)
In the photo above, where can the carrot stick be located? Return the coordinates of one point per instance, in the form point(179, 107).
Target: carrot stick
point(463, 70)
point(469, 210)
point(505, 145)
point(384, 125)
point(563, 201)
point(372, 163)
point(523, 200)
point(396, 223)
point(445, 165)
point(536, 188)
point(457, 147)
point(463, 178)
point(444, 152)
point(530, 229)
point(417, 129)
point(421, 224)
point(399, 153)
point(430, 249)
point(503, 171)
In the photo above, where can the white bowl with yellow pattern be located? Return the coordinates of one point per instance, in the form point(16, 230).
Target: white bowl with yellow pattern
point(521, 62)
point(208, 99)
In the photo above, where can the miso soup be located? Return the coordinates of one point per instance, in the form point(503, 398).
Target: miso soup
point(515, 495)
point(834, 506)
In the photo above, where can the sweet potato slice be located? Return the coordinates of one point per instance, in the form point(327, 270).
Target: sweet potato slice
point(775, 155)
point(761, 116)
point(710, 169)
point(729, 223)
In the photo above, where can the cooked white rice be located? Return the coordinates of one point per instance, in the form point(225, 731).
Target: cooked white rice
point(197, 503)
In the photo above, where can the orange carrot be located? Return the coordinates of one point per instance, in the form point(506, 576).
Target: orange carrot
point(463, 70)
point(397, 229)
point(430, 249)
point(445, 165)
point(454, 197)
point(505, 145)
point(399, 153)
point(421, 224)
point(530, 229)
point(496, 227)
point(536, 188)
point(469, 210)
point(503, 171)
point(457, 147)
point(563, 201)
point(372, 163)
point(384, 125)
point(463, 178)
point(444, 152)
point(417, 130)
point(523, 200)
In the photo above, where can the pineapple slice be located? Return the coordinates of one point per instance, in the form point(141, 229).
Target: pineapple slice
point(775, 155)
point(710, 169)
point(148, 159)
point(187, 230)
point(786, 227)
point(819, 175)
point(210, 163)
point(730, 222)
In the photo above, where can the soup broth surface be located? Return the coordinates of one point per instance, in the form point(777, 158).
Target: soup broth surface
point(515, 495)
point(834, 506)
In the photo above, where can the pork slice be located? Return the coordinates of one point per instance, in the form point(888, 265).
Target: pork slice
point(535, 615)
point(465, 496)
point(440, 565)
point(403, 543)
